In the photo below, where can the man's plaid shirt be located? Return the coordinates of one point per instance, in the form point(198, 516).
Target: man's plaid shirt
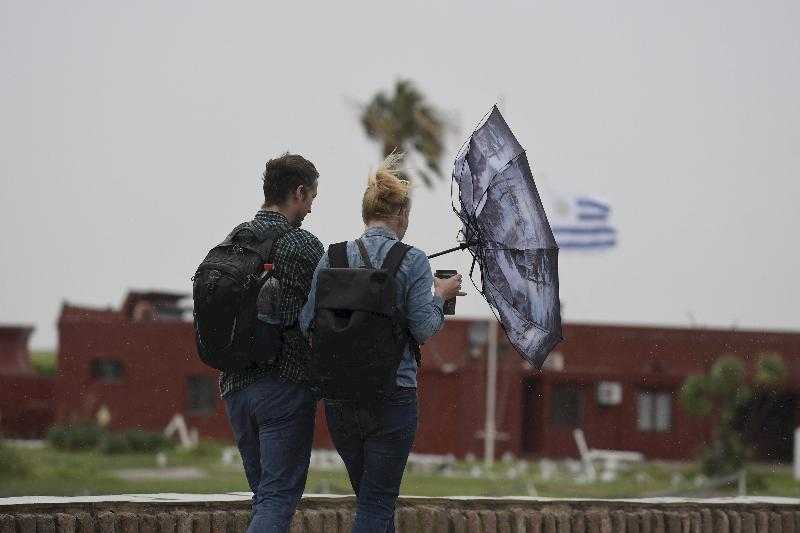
point(295, 255)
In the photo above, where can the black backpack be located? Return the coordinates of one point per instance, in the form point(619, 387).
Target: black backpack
point(225, 291)
point(359, 332)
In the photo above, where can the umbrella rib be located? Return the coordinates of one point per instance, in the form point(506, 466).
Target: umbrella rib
point(475, 128)
point(495, 313)
point(500, 294)
point(497, 317)
point(489, 185)
point(514, 309)
point(520, 249)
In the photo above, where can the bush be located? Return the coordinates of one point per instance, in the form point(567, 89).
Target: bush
point(726, 456)
point(12, 463)
point(146, 441)
point(771, 371)
point(82, 436)
point(44, 363)
point(725, 392)
point(114, 443)
point(87, 436)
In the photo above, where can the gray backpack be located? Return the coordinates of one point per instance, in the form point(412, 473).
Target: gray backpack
point(359, 332)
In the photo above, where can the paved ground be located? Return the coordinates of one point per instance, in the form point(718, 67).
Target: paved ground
point(149, 474)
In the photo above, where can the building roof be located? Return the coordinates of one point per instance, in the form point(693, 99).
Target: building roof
point(153, 297)
point(137, 305)
point(15, 357)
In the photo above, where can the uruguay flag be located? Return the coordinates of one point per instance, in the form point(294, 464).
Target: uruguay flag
point(582, 223)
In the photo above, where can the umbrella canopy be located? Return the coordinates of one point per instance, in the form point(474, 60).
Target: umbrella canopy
point(507, 232)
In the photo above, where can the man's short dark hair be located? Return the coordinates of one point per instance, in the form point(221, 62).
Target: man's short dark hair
point(284, 174)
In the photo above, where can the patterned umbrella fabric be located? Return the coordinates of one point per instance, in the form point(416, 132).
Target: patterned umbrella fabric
point(507, 232)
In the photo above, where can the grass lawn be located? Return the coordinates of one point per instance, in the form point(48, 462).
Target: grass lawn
point(51, 472)
point(58, 473)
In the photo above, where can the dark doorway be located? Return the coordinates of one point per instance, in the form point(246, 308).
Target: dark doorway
point(566, 406)
point(531, 416)
point(767, 424)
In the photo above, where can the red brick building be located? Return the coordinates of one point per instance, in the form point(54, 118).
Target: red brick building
point(26, 399)
point(139, 362)
point(618, 383)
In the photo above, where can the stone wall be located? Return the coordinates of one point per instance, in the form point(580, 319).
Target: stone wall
point(229, 513)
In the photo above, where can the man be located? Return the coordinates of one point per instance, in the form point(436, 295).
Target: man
point(271, 408)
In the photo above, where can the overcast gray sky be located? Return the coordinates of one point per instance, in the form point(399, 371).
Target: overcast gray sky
point(133, 136)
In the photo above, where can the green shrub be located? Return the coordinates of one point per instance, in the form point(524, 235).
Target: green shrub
point(44, 363)
point(146, 441)
point(727, 455)
point(87, 436)
point(771, 371)
point(724, 392)
point(113, 443)
point(81, 436)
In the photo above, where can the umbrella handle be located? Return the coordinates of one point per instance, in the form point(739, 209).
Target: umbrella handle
point(462, 246)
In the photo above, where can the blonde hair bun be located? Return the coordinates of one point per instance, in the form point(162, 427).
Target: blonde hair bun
point(387, 192)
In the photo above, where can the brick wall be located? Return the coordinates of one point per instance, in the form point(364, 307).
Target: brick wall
point(332, 514)
point(26, 406)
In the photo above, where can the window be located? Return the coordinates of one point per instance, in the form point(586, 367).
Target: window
point(108, 370)
point(567, 407)
point(655, 411)
point(202, 394)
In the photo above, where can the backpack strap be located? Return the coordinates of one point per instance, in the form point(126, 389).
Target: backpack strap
point(364, 255)
point(391, 263)
point(415, 351)
point(232, 235)
point(265, 238)
point(271, 236)
point(395, 256)
point(337, 255)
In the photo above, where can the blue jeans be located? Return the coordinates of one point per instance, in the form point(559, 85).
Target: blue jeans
point(273, 423)
point(374, 443)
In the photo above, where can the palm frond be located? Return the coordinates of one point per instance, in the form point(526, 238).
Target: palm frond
point(405, 121)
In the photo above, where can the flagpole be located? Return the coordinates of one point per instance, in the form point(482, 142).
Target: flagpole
point(490, 429)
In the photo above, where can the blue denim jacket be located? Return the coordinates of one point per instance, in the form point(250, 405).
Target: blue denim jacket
point(414, 289)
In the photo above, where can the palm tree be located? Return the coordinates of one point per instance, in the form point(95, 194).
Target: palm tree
point(405, 122)
point(722, 395)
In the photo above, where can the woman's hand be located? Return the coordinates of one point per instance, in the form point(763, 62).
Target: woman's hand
point(448, 288)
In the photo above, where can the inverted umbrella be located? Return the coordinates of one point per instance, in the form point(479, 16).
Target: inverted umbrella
point(506, 231)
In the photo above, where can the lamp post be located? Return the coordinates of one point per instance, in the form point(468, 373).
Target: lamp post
point(490, 428)
point(797, 454)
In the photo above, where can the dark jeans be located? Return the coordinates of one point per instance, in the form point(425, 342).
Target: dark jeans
point(374, 443)
point(273, 423)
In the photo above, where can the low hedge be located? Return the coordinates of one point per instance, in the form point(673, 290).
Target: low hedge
point(87, 436)
point(81, 436)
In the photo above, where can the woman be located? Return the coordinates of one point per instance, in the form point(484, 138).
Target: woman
point(374, 441)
